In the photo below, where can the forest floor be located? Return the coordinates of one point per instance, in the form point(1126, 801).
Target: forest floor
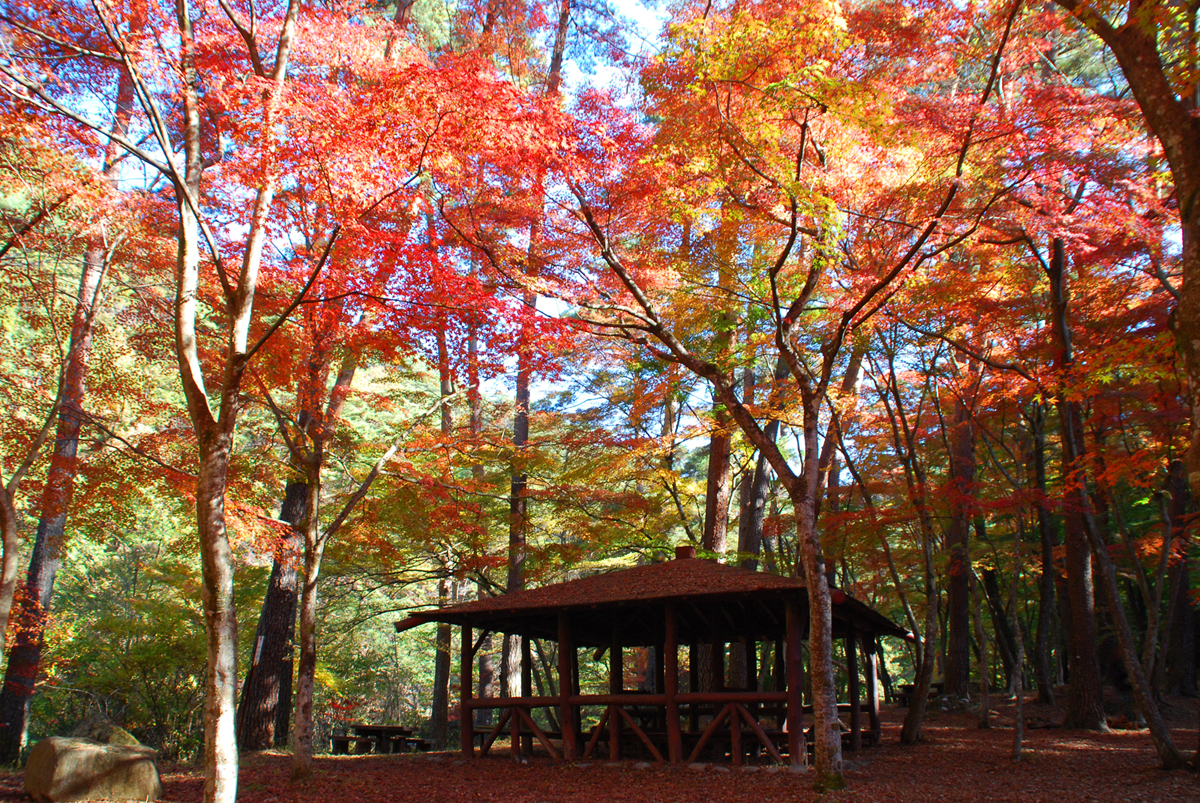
point(957, 761)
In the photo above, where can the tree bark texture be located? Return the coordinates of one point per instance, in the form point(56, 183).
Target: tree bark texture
point(10, 561)
point(717, 485)
point(487, 681)
point(1160, 734)
point(314, 551)
point(750, 523)
point(440, 713)
point(1171, 116)
point(1179, 665)
point(827, 736)
point(214, 433)
point(1046, 624)
point(25, 657)
point(958, 597)
point(1085, 695)
point(1006, 643)
point(263, 692)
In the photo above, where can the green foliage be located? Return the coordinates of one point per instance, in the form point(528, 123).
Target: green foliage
point(127, 637)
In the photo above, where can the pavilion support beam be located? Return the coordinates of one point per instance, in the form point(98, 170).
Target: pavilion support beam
point(779, 676)
point(466, 682)
point(660, 680)
point(871, 654)
point(566, 685)
point(797, 750)
point(526, 686)
point(616, 684)
point(515, 726)
point(854, 691)
point(671, 684)
point(693, 685)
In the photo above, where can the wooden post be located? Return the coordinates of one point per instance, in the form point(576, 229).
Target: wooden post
point(693, 685)
point(671, 685)
point(779, 676)
point(466, 658)
point(797, 749)
point(616, 683)
point(515, 728)
point(566, 685)
point(735, 736)
point(871, 651)
point(854, 690)
point(526, 688)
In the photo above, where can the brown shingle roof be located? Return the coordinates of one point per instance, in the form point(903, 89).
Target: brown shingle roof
point(634, 591)
point(673, 579)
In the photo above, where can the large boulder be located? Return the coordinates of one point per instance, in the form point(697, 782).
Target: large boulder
point(100, 728)
point(64, 768)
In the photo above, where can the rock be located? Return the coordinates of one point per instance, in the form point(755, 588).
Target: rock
point(720, 768)
point(697, 767)
point(798, 769)
point(100, 728)
point(64, 768)
point(613, 764)
point(750, 768)
point(642, 765)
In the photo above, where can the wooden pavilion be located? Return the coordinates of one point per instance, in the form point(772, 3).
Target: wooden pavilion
point(685, 601)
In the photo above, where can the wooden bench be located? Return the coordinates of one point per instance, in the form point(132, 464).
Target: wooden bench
point(340, 744)
point(936, 689)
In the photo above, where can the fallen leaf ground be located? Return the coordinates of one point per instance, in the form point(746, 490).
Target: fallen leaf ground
point(957, 762)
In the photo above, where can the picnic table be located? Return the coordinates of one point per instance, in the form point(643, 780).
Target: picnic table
point(936, 689)
point(380, 738)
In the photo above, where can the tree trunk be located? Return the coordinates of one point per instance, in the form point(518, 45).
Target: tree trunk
point(518, 512)
point(905, 444)
point(1179, 653)
point(1006, 643)
point(440, 715)
point(717, 484)
point(958, 598)
point(24, 660)
point(314, 550)
point(263, 692)
point(1160, 735)
point(1085, 695)
point(283, 711)
point(1171, 116)
point(487, 682)
point(910, 731)
point(750, 523)
point(10, 562)
point(25, 657)
point(220, 743)
point(985, 671)
point(827, 736)
point(1046, 625)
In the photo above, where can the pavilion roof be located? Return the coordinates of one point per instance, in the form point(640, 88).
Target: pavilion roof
point(725, 603)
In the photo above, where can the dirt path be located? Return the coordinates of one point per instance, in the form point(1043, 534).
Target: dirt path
point(957, 763)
